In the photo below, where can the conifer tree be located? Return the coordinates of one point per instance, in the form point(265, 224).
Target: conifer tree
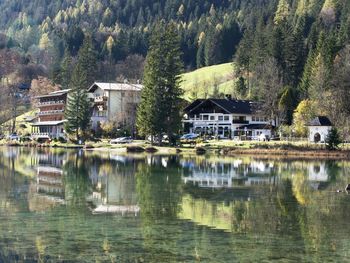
point(77, 111)
point(87, 58)
point(159, 109)
point(66, 70)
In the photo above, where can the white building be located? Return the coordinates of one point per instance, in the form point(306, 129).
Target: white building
point(114, 101)
point(319, 129)
point(226, 118)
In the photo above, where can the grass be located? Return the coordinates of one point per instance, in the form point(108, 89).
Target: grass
point(202, 81)
point(22, 127)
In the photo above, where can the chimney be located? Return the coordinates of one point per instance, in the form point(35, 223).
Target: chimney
point(228, 96)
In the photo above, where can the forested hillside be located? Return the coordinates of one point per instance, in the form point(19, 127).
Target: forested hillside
point(122, 27)
point(285, 51)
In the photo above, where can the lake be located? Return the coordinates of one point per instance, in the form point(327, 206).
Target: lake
point(74, 206)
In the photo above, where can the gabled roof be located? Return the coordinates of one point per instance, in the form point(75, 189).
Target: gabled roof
point(229, 105)
point(320, 121)
point(193, 105)
point(115, 86)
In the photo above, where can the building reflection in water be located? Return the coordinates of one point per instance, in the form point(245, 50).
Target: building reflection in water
point(239, 173)
point(208, 174)
point(114, 186)
point(112, 181)
point(48, 189)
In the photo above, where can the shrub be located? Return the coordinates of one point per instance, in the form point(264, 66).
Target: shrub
point(200, 150)
point(333, 139)
point(62, 140)
point(150, 150)
point(135, 149)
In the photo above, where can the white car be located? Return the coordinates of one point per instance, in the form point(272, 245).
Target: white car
point(13, 137)
point(121, 140)
point(264, 137)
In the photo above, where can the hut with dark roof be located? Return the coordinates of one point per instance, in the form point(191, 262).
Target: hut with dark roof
point(319, 128)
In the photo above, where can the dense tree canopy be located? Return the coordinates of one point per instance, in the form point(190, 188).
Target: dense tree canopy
point(305, 39)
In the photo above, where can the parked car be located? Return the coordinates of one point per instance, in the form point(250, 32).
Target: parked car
point(189, 137)
point(264, 137)
point(165, 139)
point(121, 140)
point(13, 137)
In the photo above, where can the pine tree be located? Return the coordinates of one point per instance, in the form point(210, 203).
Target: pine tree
point(87, 58)
point(333, 139)
point(77, 111)
point(66, 70)
point(159, 109)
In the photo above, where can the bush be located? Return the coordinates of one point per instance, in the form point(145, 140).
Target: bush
point(135, 149)
point(150, 150)
point(62, 140)
point(200, 150)
point(333, 139)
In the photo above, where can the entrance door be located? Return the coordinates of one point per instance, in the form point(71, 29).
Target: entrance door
point(317, 137)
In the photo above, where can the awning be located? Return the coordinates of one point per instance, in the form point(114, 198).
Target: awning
point(256, 127)
point(48, 123)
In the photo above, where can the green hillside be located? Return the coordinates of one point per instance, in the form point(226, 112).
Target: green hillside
point(201, 83)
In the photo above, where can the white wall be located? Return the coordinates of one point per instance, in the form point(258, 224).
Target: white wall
point(322, 130)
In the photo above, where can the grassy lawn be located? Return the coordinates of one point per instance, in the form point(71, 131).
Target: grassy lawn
point(22, 127)
point(203, 80)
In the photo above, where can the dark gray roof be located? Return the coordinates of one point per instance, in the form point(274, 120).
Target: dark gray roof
point(193, 105)
point(320, 121)
point(229, 105)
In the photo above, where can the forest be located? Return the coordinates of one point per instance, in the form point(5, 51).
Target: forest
point(291, 54)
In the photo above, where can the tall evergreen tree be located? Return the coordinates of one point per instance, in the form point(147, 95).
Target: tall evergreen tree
point(66, 70)
point(77, 110)
point(159, 110)
point(87, 58)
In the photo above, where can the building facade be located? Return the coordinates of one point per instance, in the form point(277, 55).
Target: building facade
point(319, 129)
point(226, 118)
point(50, 118)
point(114, 102)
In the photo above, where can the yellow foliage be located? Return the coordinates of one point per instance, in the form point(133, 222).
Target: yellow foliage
point(282, 11)
point(305, 111)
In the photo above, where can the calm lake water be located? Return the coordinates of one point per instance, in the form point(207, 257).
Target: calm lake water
point(71, 206)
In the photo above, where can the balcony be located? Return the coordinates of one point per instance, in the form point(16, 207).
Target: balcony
point(47, 135)
point(205, 120)
point(51, 112)
point(100, 99)
point(240, 122)
point(49, 103)
point(101, 108)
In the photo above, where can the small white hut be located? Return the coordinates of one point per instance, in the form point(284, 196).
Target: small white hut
point(319, 129)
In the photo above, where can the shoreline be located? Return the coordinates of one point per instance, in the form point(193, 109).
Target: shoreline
point(259, 152)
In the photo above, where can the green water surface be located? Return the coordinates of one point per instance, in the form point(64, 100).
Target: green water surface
point(75, 206)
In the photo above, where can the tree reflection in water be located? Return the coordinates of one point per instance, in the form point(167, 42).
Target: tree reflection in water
point(170, 208)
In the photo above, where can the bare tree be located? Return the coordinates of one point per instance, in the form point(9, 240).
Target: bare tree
point(336, 100)
point(41, 86)
point(131, 68)
point(268, 85)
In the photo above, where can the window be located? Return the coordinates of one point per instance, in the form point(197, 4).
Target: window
point(101, 114)
point(226, 118)
point(212, 118)
point(220, 118)
point(205, 117)
point(253, 118)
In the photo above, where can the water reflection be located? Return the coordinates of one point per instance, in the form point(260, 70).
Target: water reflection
point(147, 208)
